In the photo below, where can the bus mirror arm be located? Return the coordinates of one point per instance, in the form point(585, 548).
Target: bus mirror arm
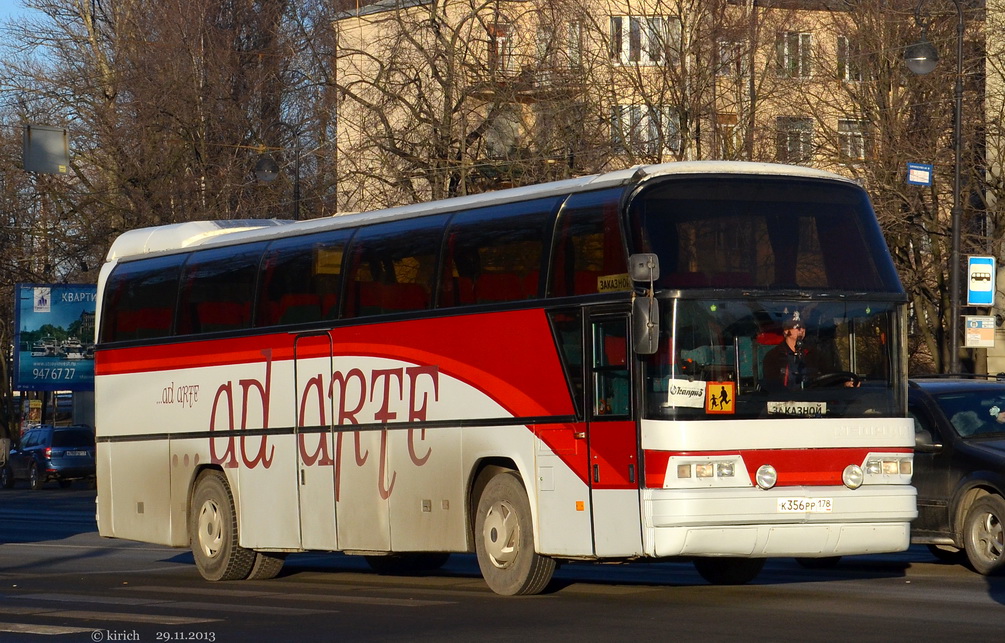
point(645, 266)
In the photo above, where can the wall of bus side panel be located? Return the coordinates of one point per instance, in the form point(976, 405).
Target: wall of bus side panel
point(429, 400)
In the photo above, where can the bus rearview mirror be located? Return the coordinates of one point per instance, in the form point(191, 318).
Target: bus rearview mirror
point(646, 325)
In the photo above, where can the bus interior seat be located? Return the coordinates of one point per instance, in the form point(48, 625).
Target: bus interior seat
point(222, 315)
point(587, 282)
point(615, 350)
point(142, 323)
point(409, 296)
point(498, 286)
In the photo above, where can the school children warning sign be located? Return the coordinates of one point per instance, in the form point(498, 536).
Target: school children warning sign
point(720, 397)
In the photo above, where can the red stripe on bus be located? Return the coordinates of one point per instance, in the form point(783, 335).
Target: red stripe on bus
point(509, 356)
point(795, 467)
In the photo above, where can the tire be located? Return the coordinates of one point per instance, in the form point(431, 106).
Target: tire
point(6, 477)
point(267, 565)
point(827, 562)
point(984, 535)
point(947, 554)
point(407, 563)
point(729, 571)
point(212, 528)
point(35, 479)
point(504, 539)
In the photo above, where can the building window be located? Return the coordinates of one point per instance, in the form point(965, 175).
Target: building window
point(644, 40)
point(794, 54)
point(500, 52)
point(731, 59)
point(727, 129)
point(851, 140)
point(556, 52)
point(850, 60)
point(645, 130)
point(794, 142)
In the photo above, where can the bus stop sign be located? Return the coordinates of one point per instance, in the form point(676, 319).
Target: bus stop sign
point(980, 281)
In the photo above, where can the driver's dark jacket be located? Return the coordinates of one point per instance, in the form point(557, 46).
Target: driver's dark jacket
point(790, 369)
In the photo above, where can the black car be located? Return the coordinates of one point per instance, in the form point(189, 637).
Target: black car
point(959, 469)
point(61, 453)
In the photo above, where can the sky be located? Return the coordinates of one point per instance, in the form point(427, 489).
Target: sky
point(10, 8)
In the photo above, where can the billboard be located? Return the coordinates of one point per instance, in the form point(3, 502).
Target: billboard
point(55, 337)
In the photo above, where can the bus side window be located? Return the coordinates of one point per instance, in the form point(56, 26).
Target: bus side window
point(218, 287)
point(392, 266)
point(496, 254)
point(567, 326)
point(140, 298)
point(611, 383)
point(300, 279)
point(589, 252)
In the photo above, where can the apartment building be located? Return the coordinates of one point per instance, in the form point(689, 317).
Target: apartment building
point(453, 97)
point(524, 90)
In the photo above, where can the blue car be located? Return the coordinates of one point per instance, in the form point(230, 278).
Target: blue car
point(60, 453)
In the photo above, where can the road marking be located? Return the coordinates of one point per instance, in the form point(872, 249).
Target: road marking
point(316, 598)
point(126, 616)
point(45, 630)
point(153, 602)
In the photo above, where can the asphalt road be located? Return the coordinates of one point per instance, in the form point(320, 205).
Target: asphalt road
point(59, 581)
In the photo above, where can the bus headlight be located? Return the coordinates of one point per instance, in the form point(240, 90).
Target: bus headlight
point(881, 467)
point(726, 470)
point(853, 476)
point(766, 476)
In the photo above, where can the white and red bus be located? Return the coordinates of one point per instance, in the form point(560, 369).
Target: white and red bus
point(568, 371)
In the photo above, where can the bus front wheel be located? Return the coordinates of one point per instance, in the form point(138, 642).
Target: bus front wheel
point(212, 525)
point(504, 539)
point(729, 571)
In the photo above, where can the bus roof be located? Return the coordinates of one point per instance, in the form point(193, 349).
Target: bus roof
point(179, 236)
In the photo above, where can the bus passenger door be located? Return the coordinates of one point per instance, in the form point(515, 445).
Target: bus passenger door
point(613, 441)
point(315, 449)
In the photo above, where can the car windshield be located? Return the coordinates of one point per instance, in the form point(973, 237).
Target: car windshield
point(74, 438)
point(975, 413)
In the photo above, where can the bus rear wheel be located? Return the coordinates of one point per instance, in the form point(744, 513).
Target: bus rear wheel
point(729, 571)
point(504, 539)
point(212, 525)
point(267, 565)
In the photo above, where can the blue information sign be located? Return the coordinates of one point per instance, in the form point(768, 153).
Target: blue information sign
point(919, 174)
point(55, 337)
point(980, 281)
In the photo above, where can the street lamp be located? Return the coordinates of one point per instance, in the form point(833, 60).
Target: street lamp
point(266, 169)
point(921, 58)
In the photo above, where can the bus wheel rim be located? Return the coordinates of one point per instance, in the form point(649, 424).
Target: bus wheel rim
point(502, 534)
point(210, 529)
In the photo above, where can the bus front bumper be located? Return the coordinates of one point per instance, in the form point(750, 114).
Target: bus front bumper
point(756, 523)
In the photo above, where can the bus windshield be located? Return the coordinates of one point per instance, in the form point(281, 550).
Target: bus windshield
point(754, 358)
point(761, 232)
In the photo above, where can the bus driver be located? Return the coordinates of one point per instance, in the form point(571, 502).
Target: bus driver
point(790, 365)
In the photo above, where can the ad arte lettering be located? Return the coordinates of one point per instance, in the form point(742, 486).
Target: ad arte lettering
point(349, 393)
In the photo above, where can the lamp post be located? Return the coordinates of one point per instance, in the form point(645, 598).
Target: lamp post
point(921, 58)
point(266, 169)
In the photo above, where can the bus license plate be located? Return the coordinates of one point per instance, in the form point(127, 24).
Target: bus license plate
point(805, 505)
